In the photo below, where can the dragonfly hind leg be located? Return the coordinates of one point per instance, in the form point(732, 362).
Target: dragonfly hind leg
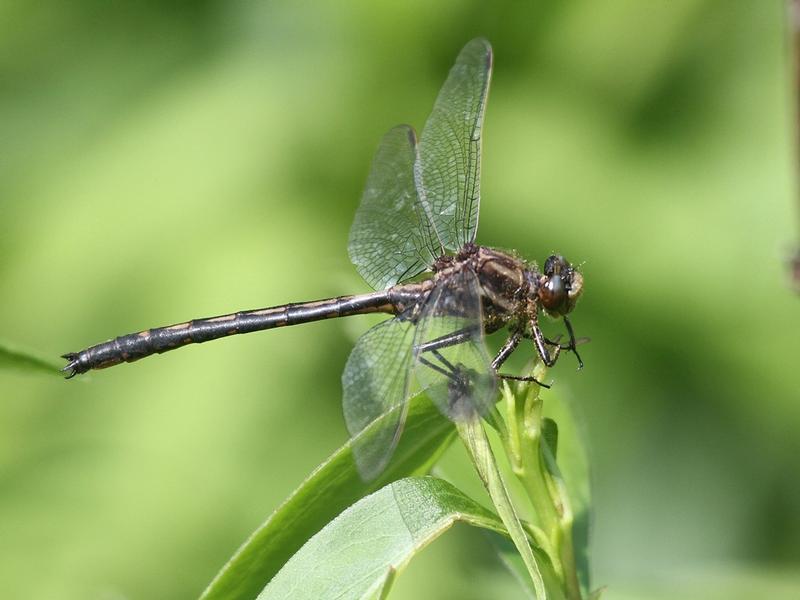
point(461, 379)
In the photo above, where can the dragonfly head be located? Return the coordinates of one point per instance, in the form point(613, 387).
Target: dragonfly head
point(559, 286)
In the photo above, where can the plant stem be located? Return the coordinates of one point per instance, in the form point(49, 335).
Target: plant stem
point(534, 465)
point(474, 438)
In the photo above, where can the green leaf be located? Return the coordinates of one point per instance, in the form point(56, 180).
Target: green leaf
point(331, 488)
point(355, 554)
point(550, 435)
point(13, 357)
point(511, 558)
point(381, 592)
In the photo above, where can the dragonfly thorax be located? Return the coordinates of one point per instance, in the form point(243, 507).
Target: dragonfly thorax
point(504, 284)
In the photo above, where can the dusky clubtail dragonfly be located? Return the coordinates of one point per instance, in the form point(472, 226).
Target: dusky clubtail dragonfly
point(418, 214)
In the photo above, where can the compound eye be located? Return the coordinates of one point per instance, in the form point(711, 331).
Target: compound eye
point(553, 294)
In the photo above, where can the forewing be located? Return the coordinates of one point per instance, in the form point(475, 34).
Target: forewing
point(457, 377)
point(447, 172)
point(392, 237)
point(374, 381)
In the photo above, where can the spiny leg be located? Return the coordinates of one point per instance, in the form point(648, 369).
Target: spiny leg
point(572, 344)
point(448, 365)
point(458, 378)
point(435, 367)
point(458, 337)
point(461, 336)
point(507, 350)
point(556, 341)
point(541, 344)
point(527, 379)
point(451, 339)
point(445, 341)
point(458, 375)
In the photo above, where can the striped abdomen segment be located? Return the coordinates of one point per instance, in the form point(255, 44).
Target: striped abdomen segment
point(132, 347)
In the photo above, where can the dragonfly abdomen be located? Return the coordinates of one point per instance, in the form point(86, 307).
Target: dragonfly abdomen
point(135, 346)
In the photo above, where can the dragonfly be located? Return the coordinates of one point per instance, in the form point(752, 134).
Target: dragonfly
point(413, 242)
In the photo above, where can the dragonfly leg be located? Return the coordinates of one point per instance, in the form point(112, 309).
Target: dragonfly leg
point(432, 347)
point(556, 341)
point(445, 341)
point(541, 344)
point(524, 378)
point(508, 348)
point(459, 380)
point(447, 373)
point(458, 386)
point(448, 365)
point(451, 339)
point(572, 345)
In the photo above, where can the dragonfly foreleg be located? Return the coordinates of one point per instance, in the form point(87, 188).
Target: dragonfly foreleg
point(572, 344)
point(541, 344)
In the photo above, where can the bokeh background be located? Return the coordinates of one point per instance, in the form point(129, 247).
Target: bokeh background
point(167, 160)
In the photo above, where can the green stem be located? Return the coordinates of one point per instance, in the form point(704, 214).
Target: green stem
point(474, 438)
point(534, 465)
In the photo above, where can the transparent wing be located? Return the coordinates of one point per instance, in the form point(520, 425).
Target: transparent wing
point(375, 381)
point(452, 363)
point(447, 171)
point(392, 236)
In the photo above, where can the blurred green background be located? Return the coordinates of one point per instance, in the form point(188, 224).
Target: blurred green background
point(168, 160)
